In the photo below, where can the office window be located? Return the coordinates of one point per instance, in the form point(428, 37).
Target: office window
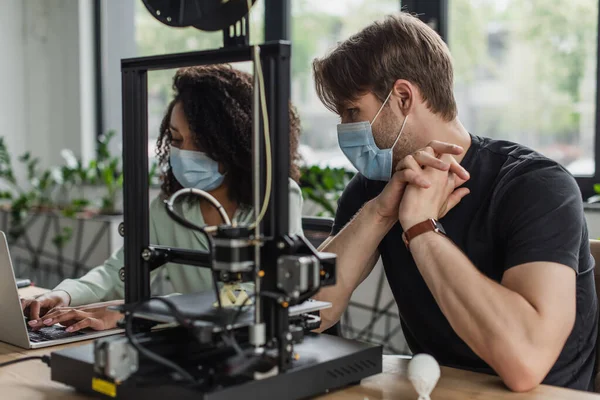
point(152, 37)
point(525, 71)
point(318, 26)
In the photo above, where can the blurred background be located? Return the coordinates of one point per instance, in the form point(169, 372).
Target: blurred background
point(525, 70)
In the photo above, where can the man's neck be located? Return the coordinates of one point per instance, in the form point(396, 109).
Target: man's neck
point(449, 132)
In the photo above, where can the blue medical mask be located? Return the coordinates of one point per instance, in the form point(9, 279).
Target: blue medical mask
point(194, 169)
point(358, 145)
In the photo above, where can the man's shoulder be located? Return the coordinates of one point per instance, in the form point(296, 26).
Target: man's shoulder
point(356, 193)
point(522, 177)
point(516, 162)
point(363, 188)
point(512, 152)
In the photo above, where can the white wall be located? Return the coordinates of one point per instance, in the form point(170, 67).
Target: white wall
point(40, 75)
point(51, 46)
point(118, 42)
point(87, 80)
point(12, 75)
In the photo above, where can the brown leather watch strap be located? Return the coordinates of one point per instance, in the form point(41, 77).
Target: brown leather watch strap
point(429, 225)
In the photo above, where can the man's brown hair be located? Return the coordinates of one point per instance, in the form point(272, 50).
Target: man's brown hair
point(399, 47)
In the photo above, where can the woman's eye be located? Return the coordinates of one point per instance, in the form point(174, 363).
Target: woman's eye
point(352, 112)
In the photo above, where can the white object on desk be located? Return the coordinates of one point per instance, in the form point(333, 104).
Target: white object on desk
point(423, 373)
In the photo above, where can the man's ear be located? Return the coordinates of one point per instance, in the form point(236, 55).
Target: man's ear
point(404, 94)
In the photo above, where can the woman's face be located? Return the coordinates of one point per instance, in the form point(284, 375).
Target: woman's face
point(181, 136)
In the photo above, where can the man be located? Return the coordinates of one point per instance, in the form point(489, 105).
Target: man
point(509, 286)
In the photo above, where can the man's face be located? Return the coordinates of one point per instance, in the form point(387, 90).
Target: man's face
point(387, 125)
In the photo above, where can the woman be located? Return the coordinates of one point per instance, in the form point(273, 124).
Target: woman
point(205, 142)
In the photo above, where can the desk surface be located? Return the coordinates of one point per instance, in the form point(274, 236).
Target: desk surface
point(31, 380)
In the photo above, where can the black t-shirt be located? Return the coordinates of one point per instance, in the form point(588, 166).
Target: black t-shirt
point(523, 207)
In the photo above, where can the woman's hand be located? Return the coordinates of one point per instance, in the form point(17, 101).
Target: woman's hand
point(97, 317)
point(36, 307)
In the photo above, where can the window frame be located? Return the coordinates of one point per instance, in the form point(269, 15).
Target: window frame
point(436, 11)
point(278, 24)
point(97, 32)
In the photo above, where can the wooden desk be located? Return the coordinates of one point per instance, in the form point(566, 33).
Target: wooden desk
point(454, 384)
point(31, 380)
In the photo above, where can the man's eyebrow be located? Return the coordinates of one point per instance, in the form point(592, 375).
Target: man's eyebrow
point(349, 104)
point(342, 107)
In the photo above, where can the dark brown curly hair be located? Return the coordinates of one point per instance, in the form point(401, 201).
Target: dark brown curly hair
point(217, 102)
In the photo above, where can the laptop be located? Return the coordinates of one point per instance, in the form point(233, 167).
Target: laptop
point(13, 326)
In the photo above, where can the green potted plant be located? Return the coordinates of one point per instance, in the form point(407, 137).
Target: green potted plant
point(37, 196)
point(50, 217)
point(324, 186)
point(106, 172)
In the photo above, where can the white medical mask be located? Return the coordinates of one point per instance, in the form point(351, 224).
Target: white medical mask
point(358, 145)
point(194, 169)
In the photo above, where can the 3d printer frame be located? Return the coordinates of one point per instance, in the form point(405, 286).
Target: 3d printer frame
point(275, 58)
point(274, 228)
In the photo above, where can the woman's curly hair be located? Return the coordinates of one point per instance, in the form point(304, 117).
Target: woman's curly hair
point(217, 102)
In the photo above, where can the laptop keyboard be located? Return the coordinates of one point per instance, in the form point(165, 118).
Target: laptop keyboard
point(54, 332)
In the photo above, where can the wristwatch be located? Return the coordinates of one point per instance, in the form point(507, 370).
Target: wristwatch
point(430, 225)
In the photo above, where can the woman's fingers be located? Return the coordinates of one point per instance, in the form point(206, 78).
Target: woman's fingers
point(62, 316)
point(87, 322)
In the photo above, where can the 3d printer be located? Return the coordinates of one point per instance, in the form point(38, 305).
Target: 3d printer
point(253, 351)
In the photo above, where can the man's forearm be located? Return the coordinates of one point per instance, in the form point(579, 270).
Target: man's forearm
point(356, 249)
point(499, 325)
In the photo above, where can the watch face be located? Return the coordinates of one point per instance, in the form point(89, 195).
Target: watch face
point(439, 227)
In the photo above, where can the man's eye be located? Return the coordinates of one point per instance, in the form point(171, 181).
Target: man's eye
point(352, 112)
